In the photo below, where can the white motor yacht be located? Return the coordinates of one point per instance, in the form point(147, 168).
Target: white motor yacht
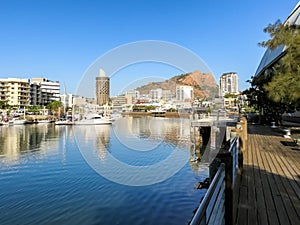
point(94, 119)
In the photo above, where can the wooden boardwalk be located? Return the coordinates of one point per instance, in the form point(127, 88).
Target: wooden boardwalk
point(270, 184)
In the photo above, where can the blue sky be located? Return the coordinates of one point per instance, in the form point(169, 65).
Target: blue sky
point(60, 39)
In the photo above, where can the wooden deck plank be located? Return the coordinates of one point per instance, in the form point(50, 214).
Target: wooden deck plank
point(252, 211)
point(275, 183)
point(286, 189)
point(261, 206)
point(270, 205)
point(291, 166)
point(270, 182)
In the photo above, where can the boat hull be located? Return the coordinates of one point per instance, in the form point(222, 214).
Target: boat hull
point(93, 122)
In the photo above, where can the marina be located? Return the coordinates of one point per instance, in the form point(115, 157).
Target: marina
point(147, 133)
point(45, 179)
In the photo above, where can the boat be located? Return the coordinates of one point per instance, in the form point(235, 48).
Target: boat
point(7, 122)
point(19, 121)
point(291, 119)
point(94, 119)
point(64, 122)
point(45, 121)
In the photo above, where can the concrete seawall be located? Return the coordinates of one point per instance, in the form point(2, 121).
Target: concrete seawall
point(166, 114)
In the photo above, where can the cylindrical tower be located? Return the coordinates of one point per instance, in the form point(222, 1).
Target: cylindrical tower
point(102, 88)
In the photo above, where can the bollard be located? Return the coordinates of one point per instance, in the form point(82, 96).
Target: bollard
point(273, 125)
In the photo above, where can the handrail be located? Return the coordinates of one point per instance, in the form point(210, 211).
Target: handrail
point(233, 144)
point(234, 150)
point(218, 182)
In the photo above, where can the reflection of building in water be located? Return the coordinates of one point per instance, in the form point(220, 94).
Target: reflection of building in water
point(103, 140)
point(139, 126)
point(16, 140)
point(177, 132)
point(97, 136)
point(170, 130)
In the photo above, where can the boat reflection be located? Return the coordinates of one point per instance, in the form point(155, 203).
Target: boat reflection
point(129, 133)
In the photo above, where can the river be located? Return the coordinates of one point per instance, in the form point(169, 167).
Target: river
point(136, 171)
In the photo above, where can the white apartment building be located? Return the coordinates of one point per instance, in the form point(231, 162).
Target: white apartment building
point(132, 96)
point(49, 90)
point(228, 84)
point(23, 92)
point(67, 100)
point(156, 94)
point(184, 93)
point(15, 91)
point(119, 100)
point(167, 95)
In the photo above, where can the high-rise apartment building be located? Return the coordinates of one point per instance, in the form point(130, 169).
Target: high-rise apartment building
point(23, 92)
point(228, 84)
point(184, 93)
point(35, 94)
point(47, 91)
point(132, 96)
point(156, 94)
point(14, 91)
point(102, 88)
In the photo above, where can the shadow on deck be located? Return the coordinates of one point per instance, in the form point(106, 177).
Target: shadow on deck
point(270, 183)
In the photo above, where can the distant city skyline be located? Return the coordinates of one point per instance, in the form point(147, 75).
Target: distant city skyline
point(59, 40)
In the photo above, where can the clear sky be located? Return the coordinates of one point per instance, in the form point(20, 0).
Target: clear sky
point(60, 39)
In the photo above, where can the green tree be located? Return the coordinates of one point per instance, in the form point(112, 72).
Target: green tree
point(278, 88)
point(229, 95)
point(33, 108)
point(284, 84)
point(54, 106)
point(2, 104)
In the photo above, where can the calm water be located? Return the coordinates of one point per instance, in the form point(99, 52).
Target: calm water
point(119, 174)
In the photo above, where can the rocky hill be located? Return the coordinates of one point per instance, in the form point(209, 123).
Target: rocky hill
point(204, 84)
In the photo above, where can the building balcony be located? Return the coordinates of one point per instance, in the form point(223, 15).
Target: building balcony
point(24, 89)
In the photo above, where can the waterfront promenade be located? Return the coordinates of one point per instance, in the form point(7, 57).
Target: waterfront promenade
point(270, 183)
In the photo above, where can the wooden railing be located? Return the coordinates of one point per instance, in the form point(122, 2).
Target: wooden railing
point(212, 207)
point(234, 150)
point(220, 201)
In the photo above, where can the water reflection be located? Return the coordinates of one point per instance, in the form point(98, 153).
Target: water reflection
point(136, 150)
point(97, 134)
point(44, 178)
point(146, 133)
point(16, 140)
point(130, 133)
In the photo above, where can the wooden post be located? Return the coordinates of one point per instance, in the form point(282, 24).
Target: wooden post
point(244, 133)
